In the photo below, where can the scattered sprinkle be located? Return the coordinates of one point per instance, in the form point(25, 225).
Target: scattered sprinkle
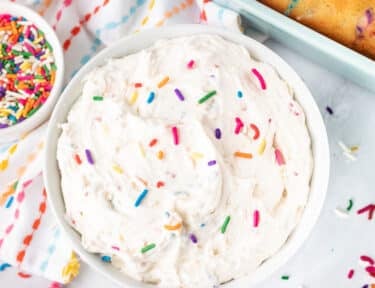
point(118, 169)
point(207, 96)
point(350, 205)
point(89, 156)
point(140, 198)
point(133, 98)
point(262, 146)
point(239, 94)
point(77, 159)
point(153, 142)
point(160, 184)
point(196, 155)
point(160, 155)
point(239, 125)
point(217, 133)
point(279, 157)
point(106, 259)
point(369, 209)
point(193, 238)
point(179, 94)
point(256, 131)
point(151, 97)
point(211, 163)
point(138, 85)
point(256, 218)
point(97, 98)
point(173, 227)
point(329, 110)
point(148, 248)
point(191, 63)
point(225, 225)
point(260, 78)
point(367, 259)
point(175, 135)
point(371, 271)
point(350, 274)
point(163, 82)
point(285, 277)
point(243, 155)
point(116, 248)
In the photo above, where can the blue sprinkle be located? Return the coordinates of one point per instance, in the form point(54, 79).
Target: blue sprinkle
point(12, 118)
point(111, 25)
point(9, 203)
point(4, 266)
point(140, 198)
point(239, 94)
point(106, 259)
point(132, 10)
point(51, 249)
point(85, 59)
point(202, 225)
point(151, 97)
point(43, 266)
point(124, 18)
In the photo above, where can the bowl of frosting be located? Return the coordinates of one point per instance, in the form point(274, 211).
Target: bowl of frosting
point(31, 70)
point(187, 156)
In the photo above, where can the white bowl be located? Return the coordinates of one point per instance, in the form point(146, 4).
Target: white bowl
point(18, 130)
point(145, 39)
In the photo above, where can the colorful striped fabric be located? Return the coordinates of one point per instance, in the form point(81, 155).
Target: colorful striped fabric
point(29, 237)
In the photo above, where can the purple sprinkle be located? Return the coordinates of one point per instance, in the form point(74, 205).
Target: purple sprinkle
point(329, 110)
point(2, 92)
point(179, 94)
point(2, 126)
point(217, 133)
point(370, 15)
point(365, 286)
point(115, 248)
point(193, 238)
point(89, 156)
point(212, 162)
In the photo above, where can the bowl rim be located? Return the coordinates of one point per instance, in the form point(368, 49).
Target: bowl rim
point(141, 40)
point(18, 130)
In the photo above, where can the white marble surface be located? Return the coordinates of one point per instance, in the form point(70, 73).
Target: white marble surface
point(335, 244)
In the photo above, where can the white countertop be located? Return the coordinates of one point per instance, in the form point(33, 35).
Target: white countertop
point(335, 244)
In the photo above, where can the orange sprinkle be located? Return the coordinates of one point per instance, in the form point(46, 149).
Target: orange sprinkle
point(243, 155)
point(160, 155)
point(163, 82)
point(144, 182)
point(153, 142)
point(173, 227)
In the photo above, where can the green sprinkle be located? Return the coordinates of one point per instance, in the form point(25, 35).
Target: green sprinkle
point(225, 224)
point(15, 52)
point(285, 277)
point(31, 112)
point(40, 77)
point(26, 54)
point(148, 248)
point(48, 46)
point(97, 98)
point(46, 69)
point(53, 67)
point(206, 97)
point(15, 185)
point(350, 205)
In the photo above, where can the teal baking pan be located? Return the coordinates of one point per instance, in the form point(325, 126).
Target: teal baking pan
point(307, 42)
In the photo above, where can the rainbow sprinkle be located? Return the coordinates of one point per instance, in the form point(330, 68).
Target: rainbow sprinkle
point(163, 82)
point(179, 94)
point(153, 142)
point(239, 94)
point(285, 277)
point(151, 97)
point(207, 96)
point(140, 198)
point(256, 131)
point(191, 63)
point(279, 157)
point(211, 163)
point(28, 69)
point(193, 238)
point(175, 135)
point(148, 248)
point(89, 157)
point(256, 218)
point(225, 224)
point(106, 259)
point(217, 133)
point(97, 98)
point(260, 78)
point(350, 205)
point(244, 155)
point(239, 125)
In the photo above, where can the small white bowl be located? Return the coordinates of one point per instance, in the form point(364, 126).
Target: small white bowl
point(16, 131)
point(145, 39)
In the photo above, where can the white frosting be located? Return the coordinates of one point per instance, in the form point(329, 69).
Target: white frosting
point(100, 198)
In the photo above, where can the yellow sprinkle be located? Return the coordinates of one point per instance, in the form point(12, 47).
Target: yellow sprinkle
point(5, 111)
point(142, 150)
point(19, 113)
point(133, 98)
point(163, 82)
point(151, 5)
point(196, 155)
point(160, 155)
point(118, 169)
point(71, 270)
point(25, 65)
point(354, 148)
point(3, 164)
point(262, 146)
point(12, 149)
point(145, 20)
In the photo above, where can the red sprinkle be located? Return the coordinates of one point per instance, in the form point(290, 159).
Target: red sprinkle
point(369, 208)
point(351, 274)
point(279, 157)
point(138, 85)
point(24, 275)
point(260, 78)
point(190, 65)
point(239, 125)
point(153, 142)
point(368, 259)
point(160, 184)
point(256, 131)
point(371, 270)
point(175, 135)
point(256, 218)
point(78, 159)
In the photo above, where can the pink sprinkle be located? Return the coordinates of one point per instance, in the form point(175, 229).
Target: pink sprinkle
point(26, 77)
point(191, 63)
point(260, 78)
point(256, 218)
point(29, 48)
point(115, 248)
point(351, 274)
point(239, 125)
point(55, 285)
point(22, 101)
point(370, 209)
point(279, 157)
point(371, 270)
point(175, 135)
point(368, 259)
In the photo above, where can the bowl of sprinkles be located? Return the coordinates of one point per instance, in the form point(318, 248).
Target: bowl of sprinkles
point(31, 75)
point(203, 149)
